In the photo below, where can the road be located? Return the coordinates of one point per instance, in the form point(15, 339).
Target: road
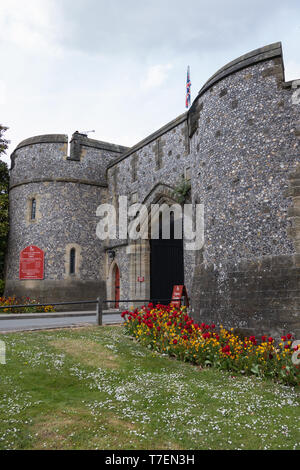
point(29, 324)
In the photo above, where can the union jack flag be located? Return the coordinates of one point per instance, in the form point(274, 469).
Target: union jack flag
point(188, 89)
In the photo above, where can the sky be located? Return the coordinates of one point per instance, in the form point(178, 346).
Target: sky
point(119, 67)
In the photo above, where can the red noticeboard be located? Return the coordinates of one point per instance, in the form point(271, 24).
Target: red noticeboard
point(178, 293)
point(32, 263)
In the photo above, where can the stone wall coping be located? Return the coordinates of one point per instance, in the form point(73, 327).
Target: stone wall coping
point(258, 55)
point(291, 84)
point(59, 180)
point(152, 137)
point(63, 139)
point(44, 139)
point(98, 144)
point(104, 146)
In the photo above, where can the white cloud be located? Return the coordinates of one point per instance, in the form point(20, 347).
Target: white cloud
point(292, 70)
point(156, 76)
point(31, 25)
point(70, 65)
point(2, 92)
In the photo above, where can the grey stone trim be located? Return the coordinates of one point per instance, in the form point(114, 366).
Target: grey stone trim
point(159, 153)
point(44, 139)
point(258, 55)
point(39, 139)
point(134, 165)
point(59, 180)
point(291, 84)
point(159, 190)
point(79, 141)
point(111, 246)
point(287, 84)
point(97, 144)
point(75, 148)
point(163, 130)
point(63, 139)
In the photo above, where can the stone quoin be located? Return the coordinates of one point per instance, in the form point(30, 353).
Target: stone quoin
point(238, 146)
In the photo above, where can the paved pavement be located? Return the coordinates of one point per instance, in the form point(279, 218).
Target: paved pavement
point(59, 321)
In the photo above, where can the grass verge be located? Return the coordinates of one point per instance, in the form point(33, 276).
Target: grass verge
point(95, 388)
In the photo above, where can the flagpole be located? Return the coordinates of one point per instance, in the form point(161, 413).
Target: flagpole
point(188, 89)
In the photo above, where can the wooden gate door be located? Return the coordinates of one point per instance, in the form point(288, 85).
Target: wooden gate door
point(166, 266)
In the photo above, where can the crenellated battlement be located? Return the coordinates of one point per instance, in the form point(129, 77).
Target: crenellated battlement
point(45, 158)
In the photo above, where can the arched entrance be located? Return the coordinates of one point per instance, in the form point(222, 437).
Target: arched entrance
point(166, 264)
point(156, 265)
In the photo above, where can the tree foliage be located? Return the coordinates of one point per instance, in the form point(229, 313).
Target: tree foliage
point(4, 204)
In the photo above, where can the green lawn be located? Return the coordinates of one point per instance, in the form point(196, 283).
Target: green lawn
point(95, 388)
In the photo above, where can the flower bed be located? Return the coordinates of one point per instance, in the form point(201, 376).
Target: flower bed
point(170, 330)
point(7, 301)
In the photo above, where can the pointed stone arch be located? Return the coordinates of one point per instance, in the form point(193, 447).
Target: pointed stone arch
point(159, 194)
point(160, 190)
point(139, 251)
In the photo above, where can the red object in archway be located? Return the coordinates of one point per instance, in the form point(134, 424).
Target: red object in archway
point(117, 288)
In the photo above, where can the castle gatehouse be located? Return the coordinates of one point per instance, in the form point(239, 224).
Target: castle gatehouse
point(238, 149)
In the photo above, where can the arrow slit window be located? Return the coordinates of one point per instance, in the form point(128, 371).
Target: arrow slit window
point(72, 260)
point(33, 209)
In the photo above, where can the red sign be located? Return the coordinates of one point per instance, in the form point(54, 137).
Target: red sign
point(141, 279)
point(178, 293)
point(32, 263)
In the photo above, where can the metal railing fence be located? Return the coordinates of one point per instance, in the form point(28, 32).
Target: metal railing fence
point(99, 305)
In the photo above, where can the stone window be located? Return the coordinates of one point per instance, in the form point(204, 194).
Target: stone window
point(115, 176)
point(72, 260)
point(134, 162)
point(33, 214)
point(187, 174)
point(186, 140)
point(33, 209)
point(159, 153)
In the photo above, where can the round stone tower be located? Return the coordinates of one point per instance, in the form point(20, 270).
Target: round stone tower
point(53, 202)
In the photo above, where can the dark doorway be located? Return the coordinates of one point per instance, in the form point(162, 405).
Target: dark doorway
point(166, 265)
